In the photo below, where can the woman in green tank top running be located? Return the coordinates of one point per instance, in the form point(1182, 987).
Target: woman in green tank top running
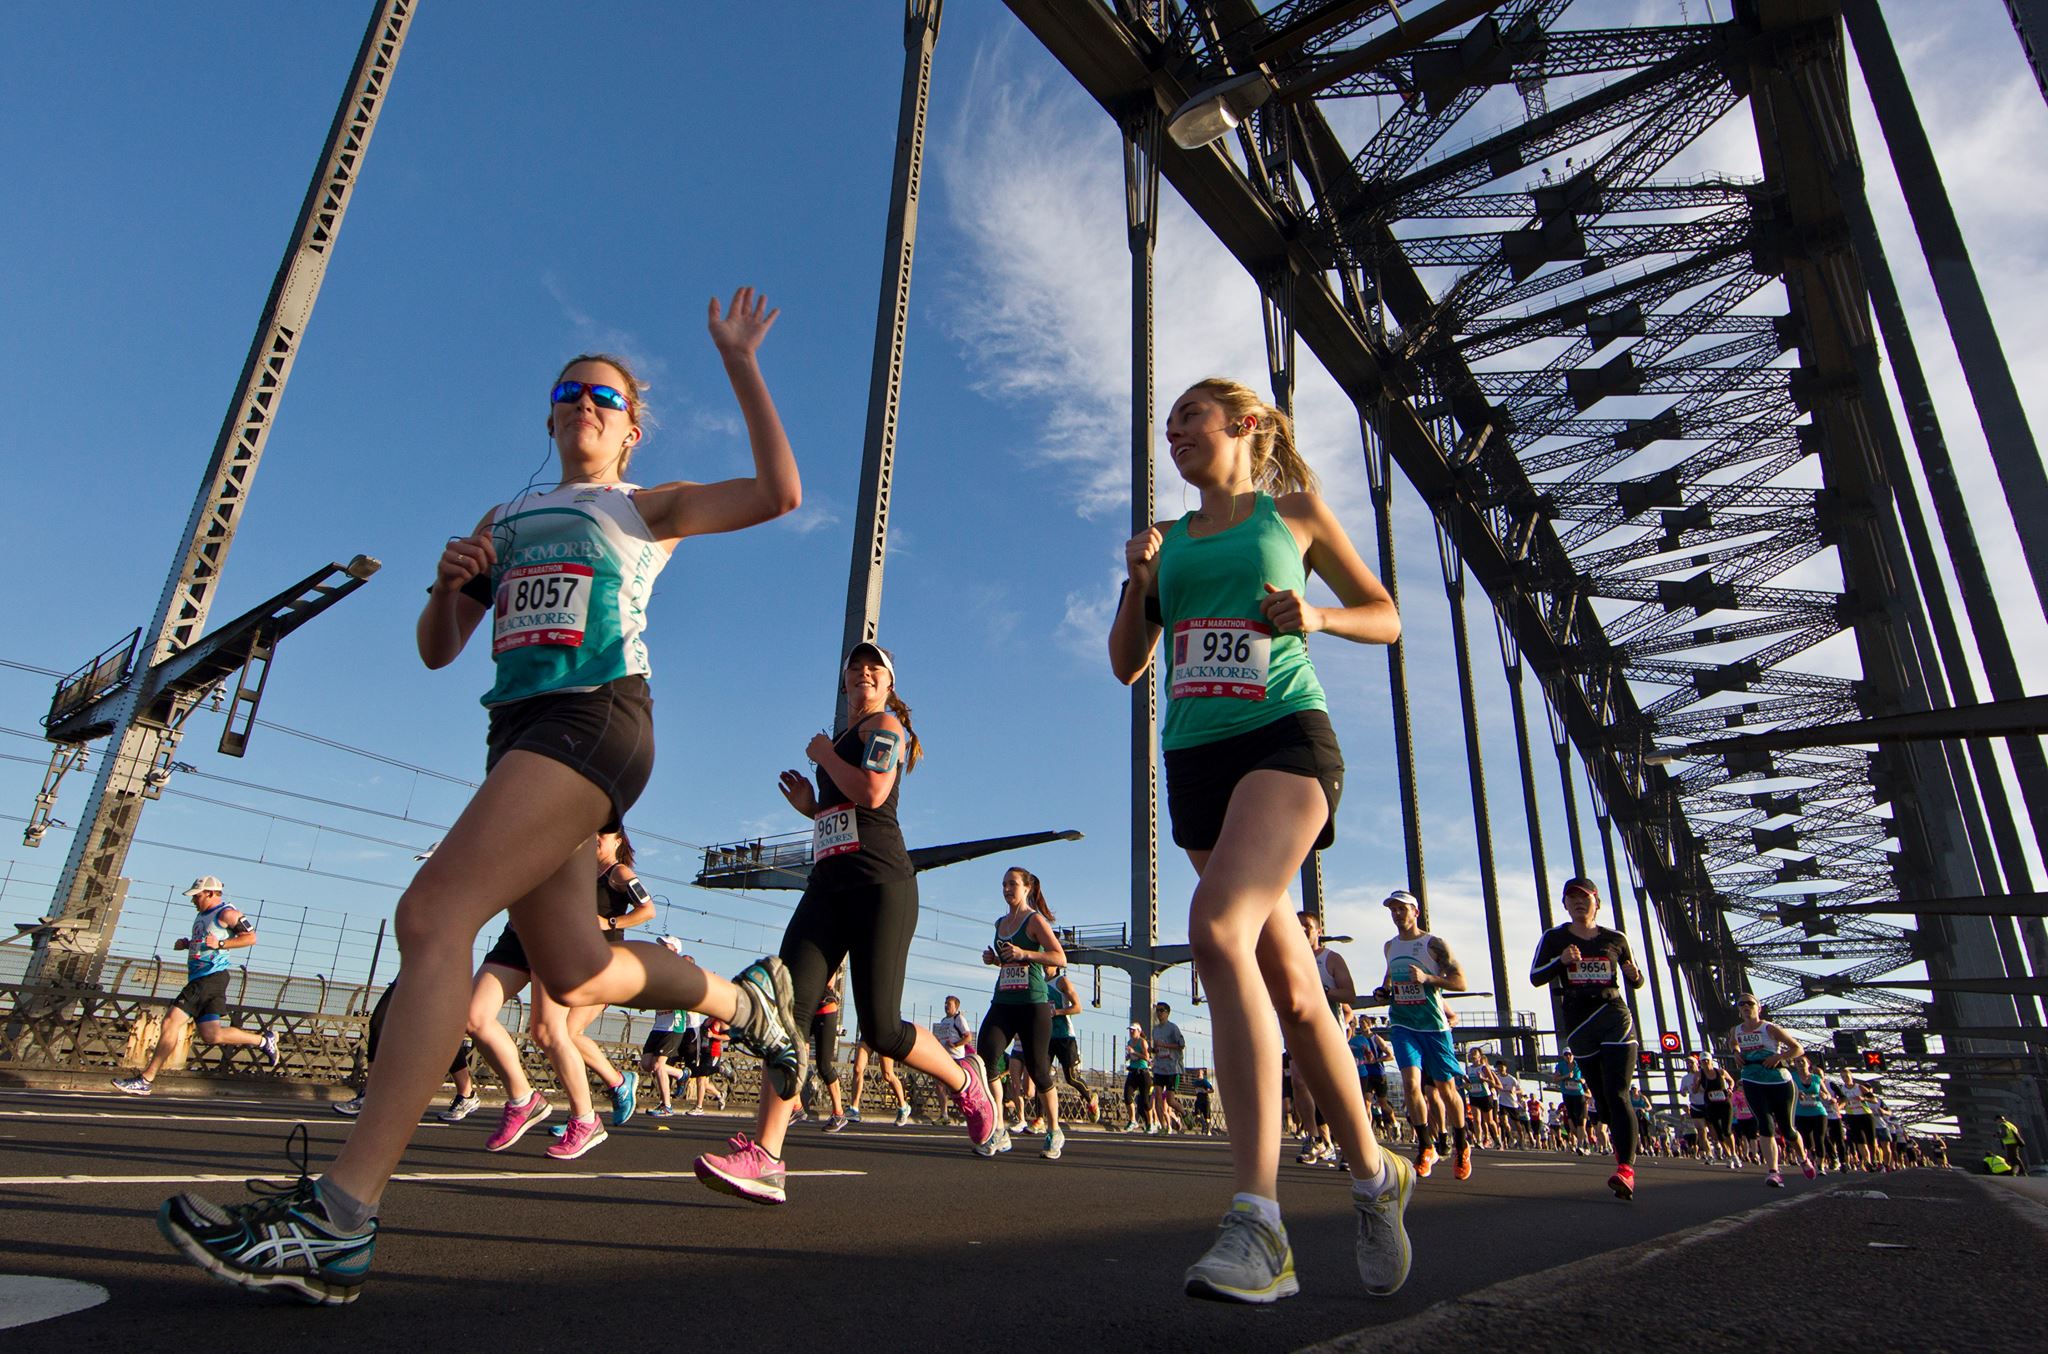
point(563, 576)
point(1253, 777)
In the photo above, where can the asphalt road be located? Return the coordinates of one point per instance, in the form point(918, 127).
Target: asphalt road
point(903, 1240)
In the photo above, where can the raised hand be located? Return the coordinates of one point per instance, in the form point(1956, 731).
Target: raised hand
point(738, 330)
point(464, 558)
point(1141, 556)
point(1288, 613)
point(796, 788)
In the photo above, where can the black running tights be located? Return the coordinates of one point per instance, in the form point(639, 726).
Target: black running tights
point(1005, 1021)
point(870, 925)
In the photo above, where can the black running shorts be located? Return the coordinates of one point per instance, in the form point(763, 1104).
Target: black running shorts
point(509, 952)
point(204, 999)
point(606, 736)
point(1201, 779)
point(663, 1044)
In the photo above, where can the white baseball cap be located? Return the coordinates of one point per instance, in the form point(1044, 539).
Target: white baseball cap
point(205, 883)
point(881, 655)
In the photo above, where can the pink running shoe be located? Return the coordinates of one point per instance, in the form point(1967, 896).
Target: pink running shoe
point(578, 1137)
point(1809, 1171)
point(520, 1115)
point(984, 1120)
point(746, 1172)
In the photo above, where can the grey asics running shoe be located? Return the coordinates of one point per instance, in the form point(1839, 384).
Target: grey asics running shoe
point(769, 1032)
point(1250, 1261)
point(284, 1241)
point(1383, 1253)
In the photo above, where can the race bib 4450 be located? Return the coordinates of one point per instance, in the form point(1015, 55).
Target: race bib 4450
point(542, 604)
point(1221, 656)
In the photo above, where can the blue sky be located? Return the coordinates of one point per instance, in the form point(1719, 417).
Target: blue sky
point(541, 185)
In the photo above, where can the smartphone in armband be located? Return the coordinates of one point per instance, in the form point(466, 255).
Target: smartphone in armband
point(639, 891)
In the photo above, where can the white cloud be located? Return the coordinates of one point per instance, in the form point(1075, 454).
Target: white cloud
point(1084, 625)
point(815, 515)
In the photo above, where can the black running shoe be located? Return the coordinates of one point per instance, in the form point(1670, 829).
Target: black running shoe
point(283, 1240)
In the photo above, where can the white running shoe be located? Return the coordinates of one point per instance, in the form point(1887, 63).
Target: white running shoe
point(1249, 1261)
point(462, 1108)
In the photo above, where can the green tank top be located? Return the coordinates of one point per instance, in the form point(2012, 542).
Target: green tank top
point(1062, 1026)
point(1226, 672)
point(569, 592)
point(1020, 984)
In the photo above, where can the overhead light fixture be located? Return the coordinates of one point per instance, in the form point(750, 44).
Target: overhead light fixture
point(363, 566)
point(1216, 111)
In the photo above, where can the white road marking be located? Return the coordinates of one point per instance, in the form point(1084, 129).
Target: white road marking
point(424, 1177)
point(285, 1118)
point(27, 1298)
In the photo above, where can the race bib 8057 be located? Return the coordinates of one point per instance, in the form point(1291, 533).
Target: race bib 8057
point(542, 604)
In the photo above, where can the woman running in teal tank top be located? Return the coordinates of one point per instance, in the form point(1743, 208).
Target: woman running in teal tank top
point(564, 575)
point(1253, 777)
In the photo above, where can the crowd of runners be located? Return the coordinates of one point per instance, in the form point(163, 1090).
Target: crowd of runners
point(1253, 778)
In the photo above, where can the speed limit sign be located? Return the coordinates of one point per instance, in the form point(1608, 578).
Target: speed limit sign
point(1668, 1041)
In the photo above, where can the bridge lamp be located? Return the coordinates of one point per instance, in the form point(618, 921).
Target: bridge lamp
point(1215, 111)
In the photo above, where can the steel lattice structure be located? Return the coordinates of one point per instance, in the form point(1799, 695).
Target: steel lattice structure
point(1641, 403)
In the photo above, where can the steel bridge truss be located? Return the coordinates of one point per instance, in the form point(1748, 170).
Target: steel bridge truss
point(1632, 396)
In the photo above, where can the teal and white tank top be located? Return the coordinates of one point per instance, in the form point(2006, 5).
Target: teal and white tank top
point(575, 568)
point(1413, 1006)
point(207, 927)
point(1755, 1046)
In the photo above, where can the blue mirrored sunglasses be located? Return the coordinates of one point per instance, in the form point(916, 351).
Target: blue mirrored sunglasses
point(568, 392)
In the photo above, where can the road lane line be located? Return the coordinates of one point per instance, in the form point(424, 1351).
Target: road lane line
point(423, 1177)
point(138, 1115)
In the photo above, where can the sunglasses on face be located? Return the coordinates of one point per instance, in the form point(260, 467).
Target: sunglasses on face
point(568, 392)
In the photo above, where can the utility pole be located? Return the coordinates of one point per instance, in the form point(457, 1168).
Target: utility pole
point(885, 380)
point(1141, 226)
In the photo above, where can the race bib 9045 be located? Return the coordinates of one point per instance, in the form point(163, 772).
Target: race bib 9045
point(1014, 978)
point(542, 604)
point(1221, 656)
